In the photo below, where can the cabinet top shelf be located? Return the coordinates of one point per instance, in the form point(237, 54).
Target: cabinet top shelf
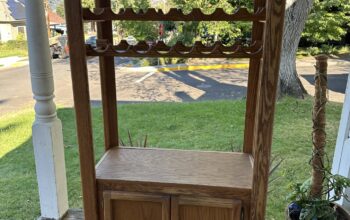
point(228, 170)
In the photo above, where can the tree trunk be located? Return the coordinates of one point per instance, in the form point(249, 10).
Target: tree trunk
point(296, 14)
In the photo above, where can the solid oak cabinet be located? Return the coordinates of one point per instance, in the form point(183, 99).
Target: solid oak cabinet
point(159, 184)
point(165, 184)
point(140, 206)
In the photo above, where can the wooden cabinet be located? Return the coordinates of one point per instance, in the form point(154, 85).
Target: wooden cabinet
point(140, 206)
point(135, 206)
point(173, 184)
point(191, 208)
point(166, 176)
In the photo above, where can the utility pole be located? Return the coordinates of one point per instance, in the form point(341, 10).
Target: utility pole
point(47, 9)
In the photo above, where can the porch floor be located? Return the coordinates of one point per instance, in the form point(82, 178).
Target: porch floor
point(74, 214)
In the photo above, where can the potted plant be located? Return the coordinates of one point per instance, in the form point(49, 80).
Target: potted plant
point(314, 199)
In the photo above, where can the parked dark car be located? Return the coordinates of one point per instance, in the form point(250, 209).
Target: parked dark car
point(91, 41)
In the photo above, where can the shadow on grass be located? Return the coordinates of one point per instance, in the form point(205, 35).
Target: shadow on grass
point(8, 127)
point(168, 125)
point(198, 125)
point(18, 184)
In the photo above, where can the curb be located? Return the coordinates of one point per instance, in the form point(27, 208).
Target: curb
point(205, 67)
point(183, 67)
point(15, 65)
point(186, 67)
point(331, 62)
point(18, 62)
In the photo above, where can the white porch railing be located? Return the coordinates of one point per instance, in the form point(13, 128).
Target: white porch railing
point(47, 128)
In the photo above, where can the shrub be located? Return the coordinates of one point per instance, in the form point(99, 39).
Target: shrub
point(14, 48)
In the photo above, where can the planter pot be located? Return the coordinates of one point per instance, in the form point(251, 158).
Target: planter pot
point(342, 213)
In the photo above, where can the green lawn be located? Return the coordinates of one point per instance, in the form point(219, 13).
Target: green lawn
point(203, 125)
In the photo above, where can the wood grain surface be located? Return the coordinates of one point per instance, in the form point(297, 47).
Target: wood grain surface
point(267, 90)
point(252, 88)
point(215, 169)
point(174, 14)
point(136, 206)
point(160, 49)
point(108, 83)
point(197, 208)
point(82, 106)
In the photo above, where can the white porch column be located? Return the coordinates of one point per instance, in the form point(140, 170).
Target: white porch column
point(47, 128)
point(341, 160)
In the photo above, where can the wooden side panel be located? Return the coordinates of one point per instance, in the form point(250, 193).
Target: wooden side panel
point(135, 206)
point(135, 210)
point(190, 208)
point(253, 78)
point(82, 106)
point(190, 212)
point(108, 83)
point(266, 106)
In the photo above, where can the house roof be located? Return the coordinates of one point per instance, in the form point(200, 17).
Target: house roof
point(55, 18)
point(17, 9)
point(14, 11)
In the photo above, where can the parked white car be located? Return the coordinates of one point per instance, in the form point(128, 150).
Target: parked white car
point(131, 40)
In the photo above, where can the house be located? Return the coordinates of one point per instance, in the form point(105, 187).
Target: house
point(13, 19)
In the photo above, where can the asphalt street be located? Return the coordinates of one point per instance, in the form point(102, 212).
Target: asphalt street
point(132, 87)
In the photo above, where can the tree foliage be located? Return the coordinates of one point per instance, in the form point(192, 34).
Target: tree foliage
point(208, 32)
point(88, 3)
point(60, 9)
point(328, 21)
point(59, 6)
point(140, 30)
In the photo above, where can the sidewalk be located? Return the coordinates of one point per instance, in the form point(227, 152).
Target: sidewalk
point(332, 61)
point(193, 64)
point(15, 61)
point(338, 70)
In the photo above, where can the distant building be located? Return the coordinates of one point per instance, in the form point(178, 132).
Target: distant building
point(12, 19)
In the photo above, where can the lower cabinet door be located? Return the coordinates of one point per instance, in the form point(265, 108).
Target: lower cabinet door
point(194, 208)
point(135, 206)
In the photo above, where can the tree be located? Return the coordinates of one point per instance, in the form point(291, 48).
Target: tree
point(296, 14)
point(227, 32)
point(140, 30)
point(60, 9)
point(295, 17)
point(88, 3)
point(328, 21)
